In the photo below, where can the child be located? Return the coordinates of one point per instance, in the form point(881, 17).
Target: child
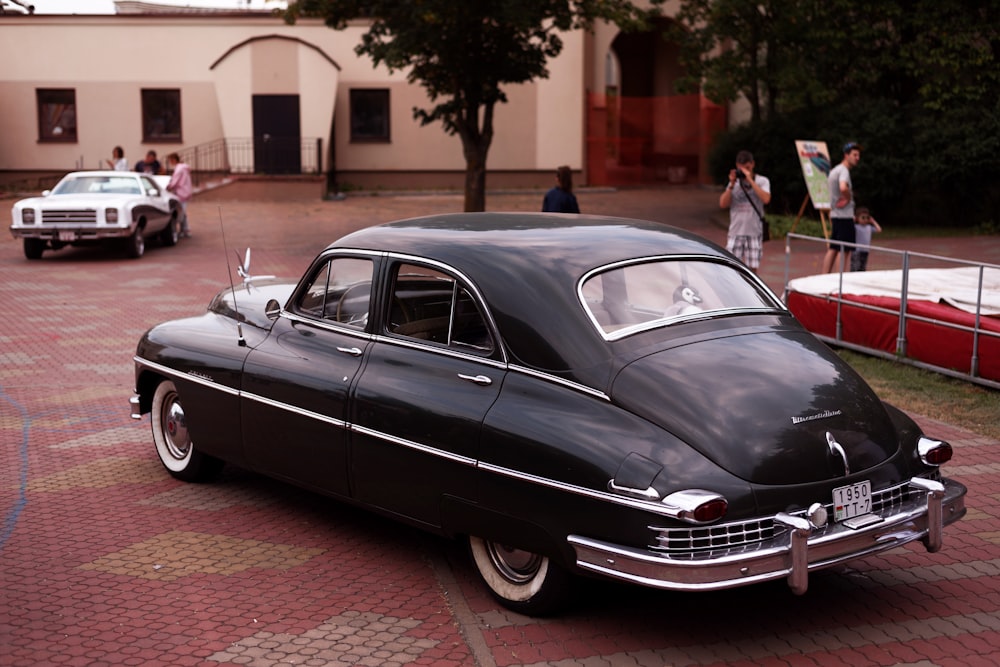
point(864, 225)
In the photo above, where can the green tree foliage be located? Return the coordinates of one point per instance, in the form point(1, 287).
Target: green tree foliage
point(464, 53)
point(917, 82)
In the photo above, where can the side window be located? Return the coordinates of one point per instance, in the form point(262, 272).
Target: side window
point(369, 115)
point(339, 291)
point(56, 114)
point(161, 115)
point(432, 306)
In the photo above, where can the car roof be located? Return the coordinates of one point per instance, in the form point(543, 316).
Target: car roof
point(102, 172)
point(527, 266)
point(579, 242)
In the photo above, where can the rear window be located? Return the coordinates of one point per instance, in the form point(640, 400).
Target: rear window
point(627, 298)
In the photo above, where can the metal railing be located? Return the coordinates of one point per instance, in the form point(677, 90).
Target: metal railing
point(246, 156)
point(214, 160)
point(907, 262)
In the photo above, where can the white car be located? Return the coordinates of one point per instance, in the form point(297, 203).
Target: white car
point(88, 207)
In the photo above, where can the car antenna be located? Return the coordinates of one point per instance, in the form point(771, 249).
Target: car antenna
point(232, 288)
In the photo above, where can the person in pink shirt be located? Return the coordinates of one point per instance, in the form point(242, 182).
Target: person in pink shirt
point(180, 185)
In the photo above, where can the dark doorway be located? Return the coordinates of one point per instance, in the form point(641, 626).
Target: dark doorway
point(277, 134)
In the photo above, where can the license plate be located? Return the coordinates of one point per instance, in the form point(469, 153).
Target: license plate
point(67, 236)
point(852, 500)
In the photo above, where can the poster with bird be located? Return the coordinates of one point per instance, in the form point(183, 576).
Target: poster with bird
point(815, 160)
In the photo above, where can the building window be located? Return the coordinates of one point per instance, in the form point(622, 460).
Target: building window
point(370, 115)
point(161, 115)
point(56, 114)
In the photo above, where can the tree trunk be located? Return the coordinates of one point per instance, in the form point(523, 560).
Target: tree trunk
point(475, 146)
point(475, 179)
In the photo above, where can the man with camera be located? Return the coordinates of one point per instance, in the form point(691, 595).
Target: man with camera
point(745, 197)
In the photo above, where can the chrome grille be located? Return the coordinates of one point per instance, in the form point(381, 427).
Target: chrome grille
point(70, 217)
point(753, 531)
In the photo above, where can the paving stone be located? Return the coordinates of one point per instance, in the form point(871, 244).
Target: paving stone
point(106, 559)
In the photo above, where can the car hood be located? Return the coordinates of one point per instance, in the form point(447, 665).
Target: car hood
point(83, 199)
point(763, 405)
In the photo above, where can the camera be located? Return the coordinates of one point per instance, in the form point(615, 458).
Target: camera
point(740, 175)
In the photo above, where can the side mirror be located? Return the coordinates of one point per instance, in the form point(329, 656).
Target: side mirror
point(272, 309)
point(46, 193)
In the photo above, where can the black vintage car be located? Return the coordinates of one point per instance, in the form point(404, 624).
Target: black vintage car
point(569, 394)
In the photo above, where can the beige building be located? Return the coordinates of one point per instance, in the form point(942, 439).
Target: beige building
point(243, 92)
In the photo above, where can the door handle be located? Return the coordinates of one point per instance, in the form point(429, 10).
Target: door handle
point(353, 351)
point(481, 380)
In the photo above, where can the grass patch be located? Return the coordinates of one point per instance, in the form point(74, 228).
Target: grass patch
point(782, 224)
point(957, 402)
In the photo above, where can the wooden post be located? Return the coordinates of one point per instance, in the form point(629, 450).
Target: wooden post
point(823, 217)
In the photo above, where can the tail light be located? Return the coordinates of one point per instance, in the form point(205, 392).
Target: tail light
point(934, 452)
point(696, 506)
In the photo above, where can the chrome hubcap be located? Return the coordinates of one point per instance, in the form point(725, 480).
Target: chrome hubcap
point(175, 430)
point(516, 565)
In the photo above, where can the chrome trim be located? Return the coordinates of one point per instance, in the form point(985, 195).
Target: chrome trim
point(329, 325)
point(409, 444)
point(416, 344)
point(555, 379)
point(791, 554)
point(649, 493)
point(746, 533)
point(291, 408)
point(191, 376)
point(836, 448)
point(625, 501)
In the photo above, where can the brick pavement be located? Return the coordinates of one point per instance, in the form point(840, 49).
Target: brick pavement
point(106, 560)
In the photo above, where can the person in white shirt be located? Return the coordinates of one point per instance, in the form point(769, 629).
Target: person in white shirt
point(118, 161)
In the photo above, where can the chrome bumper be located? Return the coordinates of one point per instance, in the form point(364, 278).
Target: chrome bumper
point(791, 555)
point(79, 233)
point(135, 407)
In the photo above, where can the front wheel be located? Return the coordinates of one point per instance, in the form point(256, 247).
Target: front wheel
point(522, 581)
point(172, 232)
point(135, 245)
point(173, 440)
point(33, 248)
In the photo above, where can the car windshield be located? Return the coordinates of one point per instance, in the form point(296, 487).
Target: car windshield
point(121, 185)
point(630, 297)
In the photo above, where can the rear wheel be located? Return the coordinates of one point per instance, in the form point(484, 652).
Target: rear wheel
point(33, 248)
point(173, 440)
point(522, 581)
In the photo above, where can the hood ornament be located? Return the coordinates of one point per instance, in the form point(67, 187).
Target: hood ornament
point(837, 448)
point(243, 268)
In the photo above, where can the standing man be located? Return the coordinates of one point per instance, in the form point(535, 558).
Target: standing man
point(180, 185)
point(149, 165)
point(842, 207)
point(746, 196)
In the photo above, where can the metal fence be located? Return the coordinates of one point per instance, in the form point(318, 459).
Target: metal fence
point(905, 262)
point(214, 160)
point(247, 156)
